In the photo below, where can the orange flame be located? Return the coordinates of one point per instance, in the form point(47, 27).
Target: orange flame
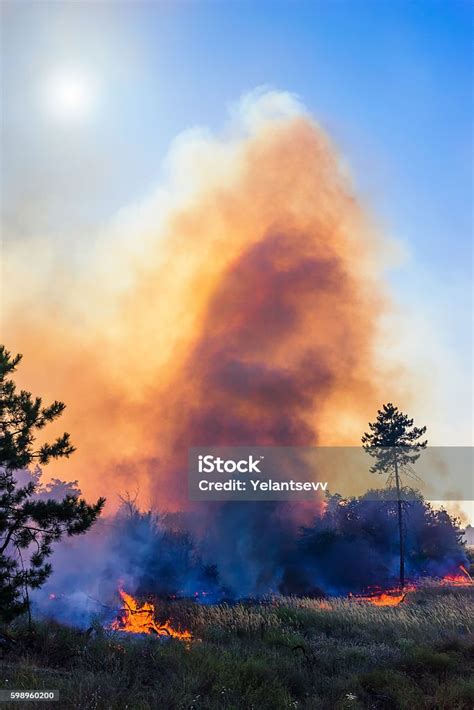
point(391, 597)
point(140, 619)
point(459, 580)
point(387, 599)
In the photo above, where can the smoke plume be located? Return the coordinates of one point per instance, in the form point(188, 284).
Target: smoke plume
point(238, 304)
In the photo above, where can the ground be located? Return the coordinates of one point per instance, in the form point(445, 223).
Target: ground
point(285, 653)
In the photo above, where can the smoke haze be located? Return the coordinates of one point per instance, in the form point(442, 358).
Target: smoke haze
point(240, 304)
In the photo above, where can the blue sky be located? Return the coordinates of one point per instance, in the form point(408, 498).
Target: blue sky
point(390, 82)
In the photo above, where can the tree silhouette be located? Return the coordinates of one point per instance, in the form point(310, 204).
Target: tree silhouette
point(394, 443)
point(29, 526)
point(361, 531)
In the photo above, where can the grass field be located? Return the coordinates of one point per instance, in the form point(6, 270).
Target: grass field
point(286, 653)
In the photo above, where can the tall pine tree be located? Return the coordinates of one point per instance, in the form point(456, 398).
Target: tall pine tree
point(29, 527)
point(394, 443)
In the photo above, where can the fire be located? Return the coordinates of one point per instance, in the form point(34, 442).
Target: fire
point(393, 597)
point(387, 599)
point(140, 619)
point(390, 597)
point(459, 580)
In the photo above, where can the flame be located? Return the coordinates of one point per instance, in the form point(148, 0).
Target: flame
point(393, 597)
point(387, 599)
point(459, 580)
point(464, 570)
point(390, 597)
point(140, 619)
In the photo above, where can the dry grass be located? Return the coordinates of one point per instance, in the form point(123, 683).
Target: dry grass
point(281, 653)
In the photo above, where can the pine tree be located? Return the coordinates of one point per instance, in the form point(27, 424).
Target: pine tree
point(28, 526)
point(394, 443)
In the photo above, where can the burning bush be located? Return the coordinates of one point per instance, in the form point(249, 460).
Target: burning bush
point(159, 554)
point(138, 618)
point(354, 544)
point(351, 548)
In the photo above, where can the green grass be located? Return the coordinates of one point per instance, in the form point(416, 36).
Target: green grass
point(285, 653)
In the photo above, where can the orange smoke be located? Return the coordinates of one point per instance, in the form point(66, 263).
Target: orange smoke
point(240, 305)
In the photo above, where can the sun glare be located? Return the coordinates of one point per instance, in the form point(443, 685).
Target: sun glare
point(70, 95)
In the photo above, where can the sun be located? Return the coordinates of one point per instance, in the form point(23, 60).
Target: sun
point(70, 95)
